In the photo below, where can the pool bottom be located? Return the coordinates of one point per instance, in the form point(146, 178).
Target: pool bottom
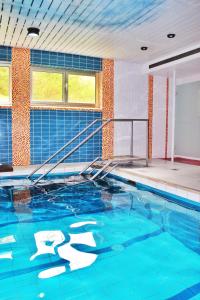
point(138, 245)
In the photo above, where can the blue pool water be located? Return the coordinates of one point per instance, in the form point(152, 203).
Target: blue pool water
point(96, 241)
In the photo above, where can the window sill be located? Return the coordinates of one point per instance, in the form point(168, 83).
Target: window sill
point(6, 106)
point(59, 107)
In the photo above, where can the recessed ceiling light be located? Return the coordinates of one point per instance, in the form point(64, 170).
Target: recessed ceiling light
point(32, 31)
point(144, 48)
point(171, 35)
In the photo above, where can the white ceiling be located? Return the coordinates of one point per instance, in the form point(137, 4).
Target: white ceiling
point(105, 28)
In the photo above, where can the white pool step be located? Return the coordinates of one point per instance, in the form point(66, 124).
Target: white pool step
point(104, 167)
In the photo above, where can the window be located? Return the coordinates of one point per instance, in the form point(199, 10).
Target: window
point(4, 85)
point(47, 87)
point(66, 88)
point(81, 89)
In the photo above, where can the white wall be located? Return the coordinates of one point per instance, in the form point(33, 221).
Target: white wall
point(170, 122)
point(131, 101)
point(187, 124)
point(159, 116)
point(187, 79)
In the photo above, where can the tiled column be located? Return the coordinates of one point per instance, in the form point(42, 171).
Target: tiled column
point(21, 106)
point(108, 107)
point(150, 112)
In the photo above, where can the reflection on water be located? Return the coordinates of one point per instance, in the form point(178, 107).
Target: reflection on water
point(52, 272)
point(180, 222)
point(56, 201)
point(21, 196)
point(7, 239)
point(6, 255)
point(55, 230)
point(77, 259)
point(41, 239)
point(79, 224)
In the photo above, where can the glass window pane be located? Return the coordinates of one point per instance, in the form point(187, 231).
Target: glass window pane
point(4, 85)
point(81, 89)
point(47, 86)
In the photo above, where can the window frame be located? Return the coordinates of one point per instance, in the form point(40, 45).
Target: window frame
point(65, 101)
point(8, 65)
point(81, 104)
point(49, 70)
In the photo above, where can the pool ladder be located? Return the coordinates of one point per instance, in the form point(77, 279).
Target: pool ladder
point(100, 167)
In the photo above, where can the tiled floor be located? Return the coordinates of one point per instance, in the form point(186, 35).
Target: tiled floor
point(178, 178)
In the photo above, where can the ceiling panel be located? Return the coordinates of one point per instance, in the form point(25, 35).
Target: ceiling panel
point(106, 28)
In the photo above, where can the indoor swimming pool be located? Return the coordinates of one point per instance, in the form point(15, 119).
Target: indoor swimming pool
point(104, 240)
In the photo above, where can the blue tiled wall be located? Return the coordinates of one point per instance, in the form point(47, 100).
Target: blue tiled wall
point(5, 53)
point(67, 61)
point(51, 129)
point(5, 136)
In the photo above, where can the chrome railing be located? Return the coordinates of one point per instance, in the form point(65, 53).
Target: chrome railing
point(104, 123)
point(65, 146)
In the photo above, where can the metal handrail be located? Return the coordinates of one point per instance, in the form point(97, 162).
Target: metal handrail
point(62, 148)
point(104, 123)
point(101, 170)
point(109, 171)
point(73, 150)
point(89, 165)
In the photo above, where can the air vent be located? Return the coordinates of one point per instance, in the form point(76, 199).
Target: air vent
point(174, 58)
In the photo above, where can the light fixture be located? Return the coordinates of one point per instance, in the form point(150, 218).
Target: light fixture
point(144, 48)
point(33, 32)
point(171, 35)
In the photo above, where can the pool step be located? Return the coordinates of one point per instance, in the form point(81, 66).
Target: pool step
point(104, 167)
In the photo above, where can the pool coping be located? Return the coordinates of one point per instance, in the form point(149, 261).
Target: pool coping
point(165, 186)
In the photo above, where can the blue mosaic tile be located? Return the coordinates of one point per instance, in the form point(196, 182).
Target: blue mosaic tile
point(5, 53)
point(67, 61)
point(6, 136)
point(51, 129)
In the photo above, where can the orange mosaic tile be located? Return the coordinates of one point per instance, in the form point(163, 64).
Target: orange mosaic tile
point(108, 107)
point(150, 112)
point(21, 196)
point(21, 106)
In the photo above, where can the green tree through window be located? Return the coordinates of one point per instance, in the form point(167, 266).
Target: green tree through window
point(81, 89)
point(4, 85)
point(47, 86)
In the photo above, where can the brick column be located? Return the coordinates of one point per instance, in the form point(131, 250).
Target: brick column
point(21, 106)
point(108, 107)
point(150, 112)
